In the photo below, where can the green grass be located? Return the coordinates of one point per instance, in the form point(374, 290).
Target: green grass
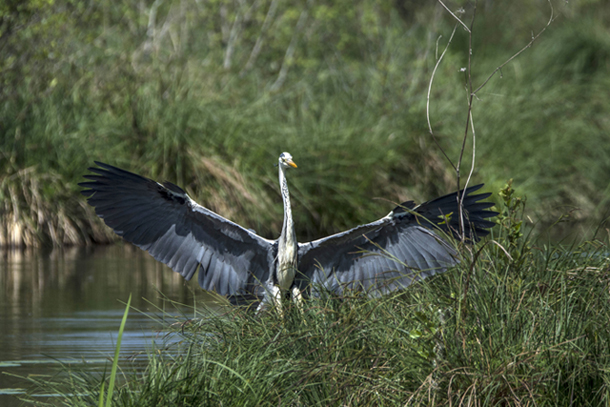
point(490, 334)
point(115, 363)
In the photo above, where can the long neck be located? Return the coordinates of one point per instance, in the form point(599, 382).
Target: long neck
point(288, 227)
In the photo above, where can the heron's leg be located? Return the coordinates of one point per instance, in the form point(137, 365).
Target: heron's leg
point(297, 297)
point(273, 296)
point(276, 298)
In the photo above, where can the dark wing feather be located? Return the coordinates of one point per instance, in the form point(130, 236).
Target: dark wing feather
point(166, 222)
point(433, 214)
point(394, 251)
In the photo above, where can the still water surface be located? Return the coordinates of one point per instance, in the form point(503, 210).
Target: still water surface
point(67, 306)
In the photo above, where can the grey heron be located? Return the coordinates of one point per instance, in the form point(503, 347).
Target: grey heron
point(233, 261)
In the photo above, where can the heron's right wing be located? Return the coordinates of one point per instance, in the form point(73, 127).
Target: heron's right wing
point(377, 258)
point(394, 251)
point(167, 223)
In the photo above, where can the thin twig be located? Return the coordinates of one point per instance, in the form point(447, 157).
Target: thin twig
point(529, 44)
point(460, 197)
point(474, 148)
point(456, 17)
point(438, 62)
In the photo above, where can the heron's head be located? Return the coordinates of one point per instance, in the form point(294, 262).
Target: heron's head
point(285, 161)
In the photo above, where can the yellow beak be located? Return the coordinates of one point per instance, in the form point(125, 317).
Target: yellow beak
point(292, 164)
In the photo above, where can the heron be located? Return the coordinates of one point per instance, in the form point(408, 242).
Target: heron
point(408, 244)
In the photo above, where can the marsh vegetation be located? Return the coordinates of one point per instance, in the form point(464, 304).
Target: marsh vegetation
point(522, 326)
point(206, 94)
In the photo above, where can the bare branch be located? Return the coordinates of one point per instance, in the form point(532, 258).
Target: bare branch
point(438, 62)
point(529, 44)
point(474, 150)
point(468, 121)
point(456, 17)
point(470, 98)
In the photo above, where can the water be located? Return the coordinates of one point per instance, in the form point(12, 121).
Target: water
point(66, 306)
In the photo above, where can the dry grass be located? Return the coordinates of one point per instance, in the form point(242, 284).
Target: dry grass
point(32, 217)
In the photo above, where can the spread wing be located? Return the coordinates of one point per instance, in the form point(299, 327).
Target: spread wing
point(394, 251)
point(163, 220)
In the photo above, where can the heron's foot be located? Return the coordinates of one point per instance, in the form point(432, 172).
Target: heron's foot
point(273, 298)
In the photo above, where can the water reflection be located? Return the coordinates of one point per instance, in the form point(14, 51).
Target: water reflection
point(67, 305)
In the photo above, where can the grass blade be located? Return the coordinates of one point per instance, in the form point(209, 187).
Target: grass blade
point(115, 362)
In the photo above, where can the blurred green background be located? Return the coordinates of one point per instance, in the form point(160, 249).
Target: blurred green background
point(208, 93)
